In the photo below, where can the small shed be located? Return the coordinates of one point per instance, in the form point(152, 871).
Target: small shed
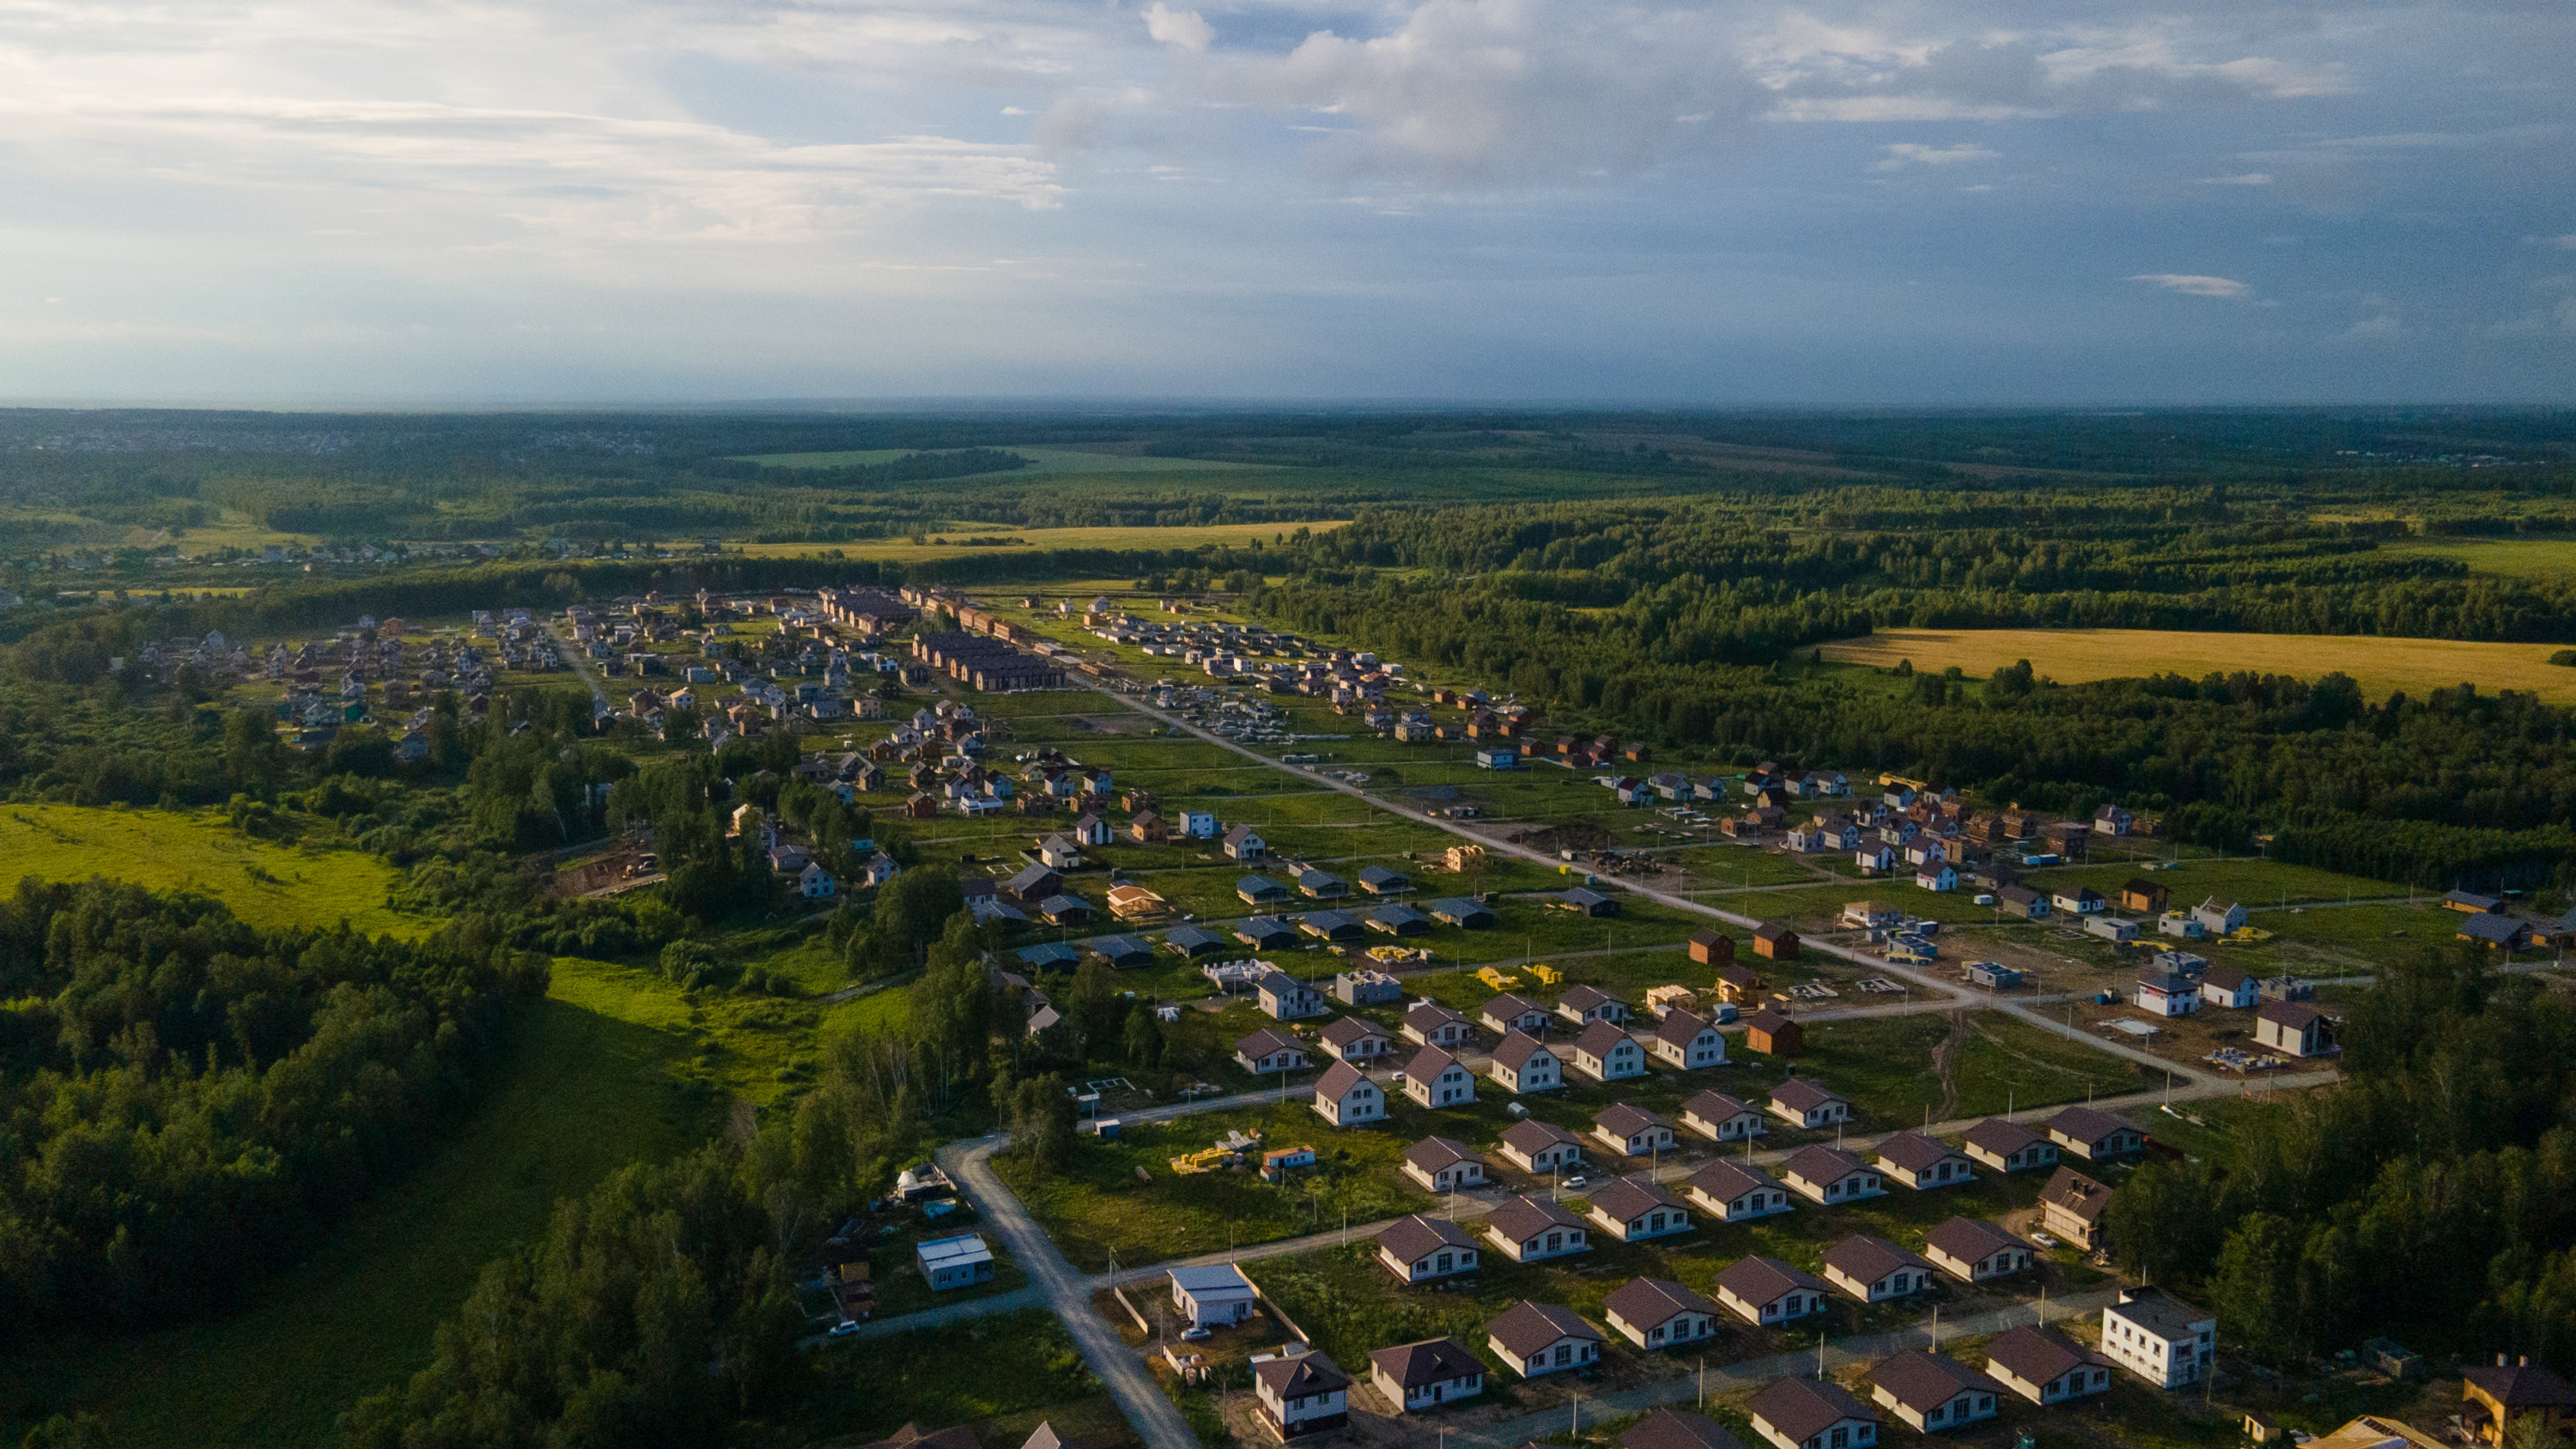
point(1776, 942)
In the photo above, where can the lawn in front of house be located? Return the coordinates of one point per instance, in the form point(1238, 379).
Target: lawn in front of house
point(1002, 1375)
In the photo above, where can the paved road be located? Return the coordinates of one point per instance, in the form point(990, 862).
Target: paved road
point(1027, 1296)
point(579, 662)
point(1131, 1385)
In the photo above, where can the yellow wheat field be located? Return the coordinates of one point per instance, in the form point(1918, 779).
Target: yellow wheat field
point(2074, 656)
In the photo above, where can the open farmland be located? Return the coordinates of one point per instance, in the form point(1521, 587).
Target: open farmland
point(1043, 462)
point(265, 884)
point(955, 545)
point(2076, 656)
point(2521, 558)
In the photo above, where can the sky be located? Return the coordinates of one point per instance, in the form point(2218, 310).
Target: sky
point(1905, 202)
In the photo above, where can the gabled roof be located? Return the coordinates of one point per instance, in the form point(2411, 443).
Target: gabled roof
point(1265, 928)
point(1680, 1027)
point(2521, 1387)
point(1304, 1376)
point(1823, 1164)
point(1527, 1217)
point(1922, 1380)
point(1345, 1031)
point(2073, 1192)
point(1525, 1328)
point(1427, 1016)
point(1601, 1038)
point(1509, 1007)
point(1459, 908)
point(1800, 1409)
point(1280, 983)
point(1432, 1154)
point(1416, 1237)
point(1432, 1361)
point(1382, 875)
point(1915, 1151)
point(1517, 1049)
point(1869, 1259)
point(1971, 1240)
point(1622, 1120)
point(1758, 1280)
point(1802, 1095)
point(1427, 1064)
point(2001, 1137)
point(1714, 1106)
point(1337, 1081)
point(1585, 998)
point(1265, 1041)
point(2154, 1308)
point(1532, 1136)
point(1624, 1198)
point(1728, 1180)
point(1644, 1301)
point(2226, 978)
point(2293, 1014)
point(2085, 1124)
point(1678, 1429)
point(1259, 885)
point(2036, 1355)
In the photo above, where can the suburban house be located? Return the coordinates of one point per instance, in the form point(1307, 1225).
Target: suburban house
point(2496, 932)
point(1687, 1041)
point(1522, 1063)
point(2469, 903)
point(1737, 985)
point(1932, 1391)
point(957, 1262)
point(2145, 897)
point(1330, 925)
point(2229, 987)
point(1710, 946)
point(2008, 1146)
point(1632, 1131)
point(1766, 1290)
point(1301, 1395)
point(2293, 1028)
point(2071, 1207)
point(1874, 1269)
point(1542, 1338)
point(1812, 1414)
point(1831, 1175)
point(1775, 942)
point(2081, 901)
point(1584, 1005)
point(1659, 1313)
point(2165, 993)
point(2044, 1367)
point(1443, 1165)
point(1466, 915)
point(2117, 930)
point(1434, 1025)
point(1367, 988)
point(2218, 919)
point(2094, 1136)
point(1425, 1375)
point(1721, 1118)
point(1585, 902)
point(1921, 1160)
point(1528, 1229)
point(2493, 1399)
point(2021, 900)
point(1606, 1053)
point(1260, 890)
point(1436, 1079)
point(1417, 1249)
point(1350, 1039)
point(1346, 1097)
point(1938, 875)
point(1801, 1103)
point(1286, 998)
point(1677, 1429)
point(1322, 885)
point(1269, 1051)
point(1212, 1295)
point(1535, 1146)
point(1774, 1034)
point(1244, 843)
point(1737, 1192)
point(2158, 1337)
point(1513, 1013)
point(1379, 880)
point(1634, 1209)
point(1972, 1250)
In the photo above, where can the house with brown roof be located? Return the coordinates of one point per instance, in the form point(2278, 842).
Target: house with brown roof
point(1831, 1175)
point(1812, 1414)
point(1522, 1063)
point(1584, 1005)
point(1509, 1013)
point(1710, 946)
point(1765, 1290)
point(1425, 1375)
point(1542, 1338)
point(1772, 1033)
point(1434, 1025)
point(1921, 1160)
point(1686, 1040)
point(1418, 1249)
point(1352, 1039)
point(1267, 1051)
point(2494, 1399)
point(1931, 1391)
point(1345, 1097)
point(2092, 1135)
point(1721, 1118)
point(1972, 1250)
point(1659, 1313)
point(1443, 1165)
point(1528, 1229)
point(1633, 1209)
point(913, 1436)
point(1301, 1395)
point(2008, 1146)
point(2145, 896)
point(2294, 1029)
point(1737, 1191)
point(1737, 985)
point(1606, 1053)
point(1775, 942)
point(1874, 1270)
point(1632, 1131)
point(2071, 1206)
point(1433, 1078)
point(1801, 1102)
point(1678, 1429)
point(2045, 1367)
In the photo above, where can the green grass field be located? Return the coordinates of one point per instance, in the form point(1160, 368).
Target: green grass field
point(265, 884)
point(2523, 558)
point(1003, 1375)
point(581, 1095)
point(2073, 656)
point(1043, 462)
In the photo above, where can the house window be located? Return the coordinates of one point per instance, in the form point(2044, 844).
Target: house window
point(1841, 1437)
point(1564, 1353)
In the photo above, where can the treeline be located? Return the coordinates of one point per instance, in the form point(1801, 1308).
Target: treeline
point(2431, 1198)
point(189, 1102)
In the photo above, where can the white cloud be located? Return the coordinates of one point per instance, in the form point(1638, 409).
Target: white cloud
point(2568, 241)
point(1184, 28)
point(1907, 153)
point(2250, 178)
point(2195, 286)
